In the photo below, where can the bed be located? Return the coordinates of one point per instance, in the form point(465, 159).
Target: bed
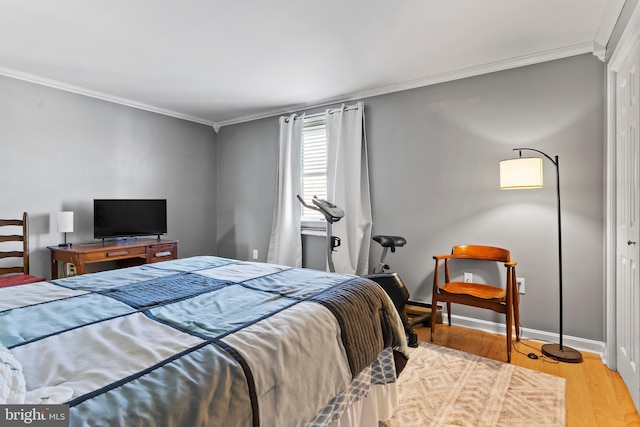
point(204, 341)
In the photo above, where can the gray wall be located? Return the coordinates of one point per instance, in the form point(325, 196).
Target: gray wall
point(434, 154)
point(246, 187)
point(60, 150)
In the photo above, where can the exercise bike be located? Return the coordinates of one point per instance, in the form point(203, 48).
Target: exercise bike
point(389, 281)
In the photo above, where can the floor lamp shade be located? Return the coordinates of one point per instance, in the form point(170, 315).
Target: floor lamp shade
point(523, 172)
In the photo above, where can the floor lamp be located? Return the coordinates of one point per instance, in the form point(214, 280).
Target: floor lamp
point(526, 172)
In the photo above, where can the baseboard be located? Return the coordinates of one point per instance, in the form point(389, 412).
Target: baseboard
point(582, 344)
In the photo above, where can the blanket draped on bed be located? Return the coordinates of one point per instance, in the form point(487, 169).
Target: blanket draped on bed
point(367, 322)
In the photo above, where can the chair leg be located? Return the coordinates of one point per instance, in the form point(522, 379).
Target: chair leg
point(516, 315)
point(509, 332)
point(449, 312)
point(434, 314)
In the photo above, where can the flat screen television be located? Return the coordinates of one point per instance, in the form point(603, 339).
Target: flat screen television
point(114, 218)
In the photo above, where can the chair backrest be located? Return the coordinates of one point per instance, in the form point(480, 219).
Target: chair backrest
point(489, 253)
point(11, 225)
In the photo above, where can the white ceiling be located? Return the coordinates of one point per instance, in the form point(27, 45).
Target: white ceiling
point(220, 62)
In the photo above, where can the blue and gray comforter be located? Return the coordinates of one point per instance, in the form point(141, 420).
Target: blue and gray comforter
point(202, 341)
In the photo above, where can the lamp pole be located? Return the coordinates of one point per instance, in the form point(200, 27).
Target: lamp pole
point(559, 352)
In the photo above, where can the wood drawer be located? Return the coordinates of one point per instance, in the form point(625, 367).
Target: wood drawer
point(137, 251)
point(115, 253)
point(159, 253)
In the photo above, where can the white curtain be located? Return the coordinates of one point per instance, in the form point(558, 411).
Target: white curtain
point(285, 245)
point(348, 187)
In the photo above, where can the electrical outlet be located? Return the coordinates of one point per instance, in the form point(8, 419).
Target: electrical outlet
point(520, 283)
point(69, 269)
point(255, 254)
point(468, 277)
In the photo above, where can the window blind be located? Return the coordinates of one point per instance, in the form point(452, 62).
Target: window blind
point(314, 165)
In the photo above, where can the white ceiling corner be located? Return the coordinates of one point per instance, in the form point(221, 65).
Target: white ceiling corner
point(609, 19)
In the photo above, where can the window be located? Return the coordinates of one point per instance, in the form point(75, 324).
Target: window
point(313, 170)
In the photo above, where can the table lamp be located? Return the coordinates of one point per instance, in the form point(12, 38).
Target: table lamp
point(65, 225)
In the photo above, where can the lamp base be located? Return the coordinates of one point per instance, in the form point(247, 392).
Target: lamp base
point(64, 245)
point(567, 354)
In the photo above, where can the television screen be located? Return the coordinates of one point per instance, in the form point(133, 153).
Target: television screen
point(129, 217)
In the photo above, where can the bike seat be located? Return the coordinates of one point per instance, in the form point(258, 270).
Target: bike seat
point(390, 241)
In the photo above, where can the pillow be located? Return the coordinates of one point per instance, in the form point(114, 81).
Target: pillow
point(13, 389)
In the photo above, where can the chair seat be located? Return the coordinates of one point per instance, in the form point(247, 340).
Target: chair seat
point(19, 279)
point(476, 290)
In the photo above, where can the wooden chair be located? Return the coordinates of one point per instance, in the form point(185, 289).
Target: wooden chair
point(502, 300)
point(16, 272)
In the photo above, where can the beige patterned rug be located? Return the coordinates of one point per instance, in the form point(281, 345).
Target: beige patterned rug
point(445, 387)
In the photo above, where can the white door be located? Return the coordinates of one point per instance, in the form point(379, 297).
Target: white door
point(627, 235)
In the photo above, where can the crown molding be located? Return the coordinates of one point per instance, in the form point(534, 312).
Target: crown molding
point(608, 23)
point(627, 41)
point(462, 73)
point(7, 72)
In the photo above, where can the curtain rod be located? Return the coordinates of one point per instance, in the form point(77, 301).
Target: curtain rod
point(331, 111)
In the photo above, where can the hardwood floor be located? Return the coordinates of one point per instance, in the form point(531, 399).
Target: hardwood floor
point(596, 396)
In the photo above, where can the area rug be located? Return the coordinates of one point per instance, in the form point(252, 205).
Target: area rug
point(445, 387)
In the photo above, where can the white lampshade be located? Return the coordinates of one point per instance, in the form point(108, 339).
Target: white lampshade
point(65, 222)
point(523, 172)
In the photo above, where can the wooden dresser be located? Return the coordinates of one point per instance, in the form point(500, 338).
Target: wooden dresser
point(145, 250)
